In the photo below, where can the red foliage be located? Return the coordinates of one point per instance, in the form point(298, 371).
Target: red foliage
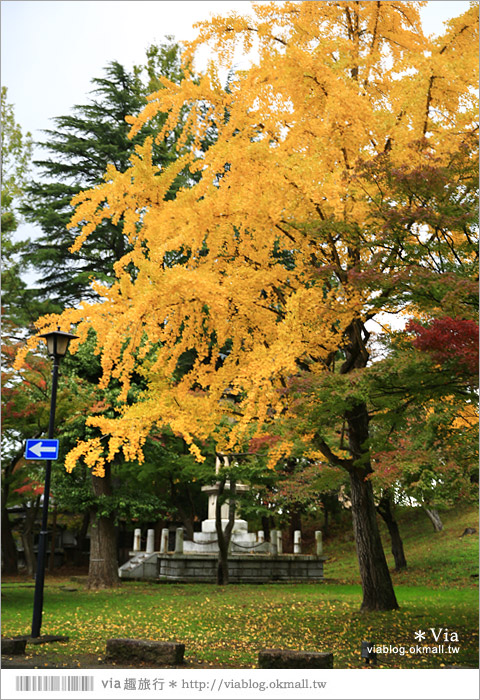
point(449, 340)
point(31, 488)
point(256, 444)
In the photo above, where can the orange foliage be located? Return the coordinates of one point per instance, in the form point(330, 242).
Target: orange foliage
point(278, 224)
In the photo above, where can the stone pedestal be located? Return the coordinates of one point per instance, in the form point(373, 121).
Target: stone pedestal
point(179, 540)
point(212, 492)
point(150, 541)
point(210, 527)
point(164, 541)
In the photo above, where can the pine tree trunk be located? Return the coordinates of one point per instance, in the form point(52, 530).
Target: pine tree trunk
point(103, 565)
point(385, 510)
point(9, 549)
point(435, 518)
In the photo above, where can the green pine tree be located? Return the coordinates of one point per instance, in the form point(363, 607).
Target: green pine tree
point(78, 151)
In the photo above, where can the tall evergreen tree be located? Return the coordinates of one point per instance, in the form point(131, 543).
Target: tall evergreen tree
point(79, 149)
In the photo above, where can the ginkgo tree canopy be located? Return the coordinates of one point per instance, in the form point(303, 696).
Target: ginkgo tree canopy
point(285, 255)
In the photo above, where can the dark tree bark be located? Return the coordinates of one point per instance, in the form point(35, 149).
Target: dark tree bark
point(384, 508)
point(435, 518)
point(378, 593)
point(9, 549)
point(103, 566)
point(224, 536)
point(267, 523)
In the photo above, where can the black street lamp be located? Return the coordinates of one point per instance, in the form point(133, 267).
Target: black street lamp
point(57, 344)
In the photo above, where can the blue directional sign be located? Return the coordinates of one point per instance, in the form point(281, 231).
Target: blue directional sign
point(41, 449)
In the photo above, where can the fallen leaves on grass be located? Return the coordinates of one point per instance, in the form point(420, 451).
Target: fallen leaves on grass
point(229, 626)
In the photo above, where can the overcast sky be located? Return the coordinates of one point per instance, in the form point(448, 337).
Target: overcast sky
point(51, 50)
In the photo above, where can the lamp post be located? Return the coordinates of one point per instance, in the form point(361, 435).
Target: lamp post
point(57, 345)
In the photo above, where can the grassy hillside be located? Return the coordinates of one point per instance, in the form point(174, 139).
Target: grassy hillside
point(437, 559)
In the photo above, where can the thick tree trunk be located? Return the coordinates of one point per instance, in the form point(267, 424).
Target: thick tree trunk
point(434, 517)
point(378, 593)
point(9, 549)
point(384, 508)
point(224, 536)
point(103, 566)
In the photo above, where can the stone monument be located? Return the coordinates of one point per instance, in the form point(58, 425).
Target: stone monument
point(206, 540)
point(251, 558)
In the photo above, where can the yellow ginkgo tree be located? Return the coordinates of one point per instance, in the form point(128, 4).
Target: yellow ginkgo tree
point(274, 262)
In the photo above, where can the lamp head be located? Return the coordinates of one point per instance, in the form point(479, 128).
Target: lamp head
point(57, 342)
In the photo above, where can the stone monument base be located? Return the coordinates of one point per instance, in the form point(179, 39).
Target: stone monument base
point(243, 568)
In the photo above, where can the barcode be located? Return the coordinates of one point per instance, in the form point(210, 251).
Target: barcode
point(52, 683)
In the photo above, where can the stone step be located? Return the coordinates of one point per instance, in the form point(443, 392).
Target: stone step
point(289, 658)
point(146, 650)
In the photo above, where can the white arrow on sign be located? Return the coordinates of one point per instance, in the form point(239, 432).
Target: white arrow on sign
point(39, 449)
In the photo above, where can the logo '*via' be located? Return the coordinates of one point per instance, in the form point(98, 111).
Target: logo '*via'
point(420, 635)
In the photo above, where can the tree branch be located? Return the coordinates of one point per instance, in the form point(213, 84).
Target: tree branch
point(331, 456)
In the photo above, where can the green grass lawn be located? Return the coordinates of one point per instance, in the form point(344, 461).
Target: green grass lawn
point(228, 626)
